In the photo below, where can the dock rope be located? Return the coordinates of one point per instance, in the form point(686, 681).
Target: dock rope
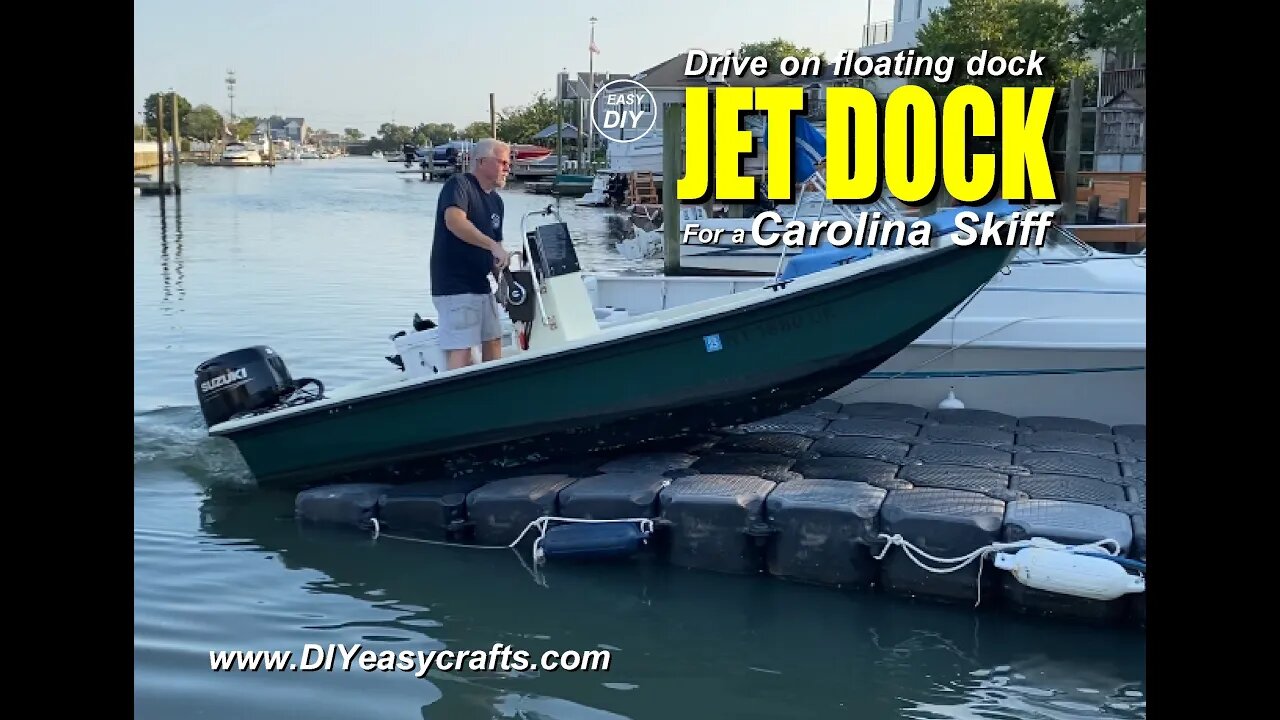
point(539, 556)
point(1098, 547)
point(1106, 548)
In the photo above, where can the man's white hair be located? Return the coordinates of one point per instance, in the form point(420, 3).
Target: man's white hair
point(486, 147)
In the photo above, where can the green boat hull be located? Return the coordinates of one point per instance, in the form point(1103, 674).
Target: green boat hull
point(691, 376)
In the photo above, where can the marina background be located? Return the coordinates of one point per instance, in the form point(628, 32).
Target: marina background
point(324, 261)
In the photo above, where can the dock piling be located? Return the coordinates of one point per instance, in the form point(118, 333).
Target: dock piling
point(160, 140)
point(1071, 161)
point(177, 149)
point(672, 135)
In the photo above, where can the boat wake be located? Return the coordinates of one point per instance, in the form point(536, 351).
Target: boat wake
point(176, 439)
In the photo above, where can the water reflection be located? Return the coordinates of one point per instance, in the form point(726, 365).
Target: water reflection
point(171, 266)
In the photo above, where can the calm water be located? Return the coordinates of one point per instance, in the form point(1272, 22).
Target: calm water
point(323, 260)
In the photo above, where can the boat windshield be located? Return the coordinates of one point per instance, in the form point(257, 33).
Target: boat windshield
point(1058, 244)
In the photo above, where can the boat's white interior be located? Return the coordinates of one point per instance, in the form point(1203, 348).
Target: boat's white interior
point(575, 335)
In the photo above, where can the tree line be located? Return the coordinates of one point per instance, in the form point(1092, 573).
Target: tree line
point(515, 124)
point(203, 122)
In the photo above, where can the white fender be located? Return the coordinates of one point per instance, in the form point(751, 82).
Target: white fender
point(1070, 573)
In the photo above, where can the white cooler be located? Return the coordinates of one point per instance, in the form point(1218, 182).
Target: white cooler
point(421, 353)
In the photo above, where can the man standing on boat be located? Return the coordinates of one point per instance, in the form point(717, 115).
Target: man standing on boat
point(466, 250)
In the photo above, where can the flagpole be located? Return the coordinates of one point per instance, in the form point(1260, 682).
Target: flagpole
point(591, 70)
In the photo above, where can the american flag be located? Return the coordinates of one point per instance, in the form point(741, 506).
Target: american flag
point(594, 48)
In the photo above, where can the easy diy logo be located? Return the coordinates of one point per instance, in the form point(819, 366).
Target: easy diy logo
point(623, 111)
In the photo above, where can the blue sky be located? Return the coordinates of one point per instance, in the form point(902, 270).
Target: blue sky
point(346, 64)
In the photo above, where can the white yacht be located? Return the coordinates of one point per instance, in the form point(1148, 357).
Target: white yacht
point(238, 153)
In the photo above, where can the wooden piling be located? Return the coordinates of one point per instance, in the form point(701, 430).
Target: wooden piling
point(160, 138)
point(177, 147)
point(1136, 201)
point(672, 135)
point(1071, 161)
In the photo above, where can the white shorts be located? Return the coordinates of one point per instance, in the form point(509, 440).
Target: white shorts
point(466, 320)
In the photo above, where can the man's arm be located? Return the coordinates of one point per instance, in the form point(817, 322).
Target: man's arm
point(455, 218)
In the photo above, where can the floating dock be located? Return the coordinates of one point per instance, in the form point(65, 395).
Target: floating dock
point(875, 497)
point(148, 186)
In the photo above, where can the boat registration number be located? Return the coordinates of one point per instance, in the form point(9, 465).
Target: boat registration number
point(768, 329)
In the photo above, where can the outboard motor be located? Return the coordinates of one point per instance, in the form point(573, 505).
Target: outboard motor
point(241, 381)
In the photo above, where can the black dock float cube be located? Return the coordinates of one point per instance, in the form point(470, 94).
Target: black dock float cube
point(874, 427)
point(967, 435)
point(1063, 424)
point(659, 463)
point(1068, 523)
point(884, 411)
point(716, 522)
point(798, 423)
point(1045, 462)
point(435, 509)
point(944, 523)
point(1063, 441)
point(743, 463)
point(1074, 488)
point(963, 454)
point(960, 477)
point(500, 510)
point(973, 416)
point(858, 446)
point(823, 530)
point(873, 472)
point(352, 505)
point(785, 444)
point(613, 496)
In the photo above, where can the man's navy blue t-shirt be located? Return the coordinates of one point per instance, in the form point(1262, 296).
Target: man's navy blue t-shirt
point(458, 267)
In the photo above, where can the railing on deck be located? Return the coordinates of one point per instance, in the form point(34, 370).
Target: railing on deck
point(1114, 82)
point(877, 33)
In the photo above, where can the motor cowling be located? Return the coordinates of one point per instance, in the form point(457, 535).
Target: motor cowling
point(240, 381)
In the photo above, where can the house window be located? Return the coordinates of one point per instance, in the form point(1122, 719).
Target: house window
point(1088, 125)
point(1122, 131)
